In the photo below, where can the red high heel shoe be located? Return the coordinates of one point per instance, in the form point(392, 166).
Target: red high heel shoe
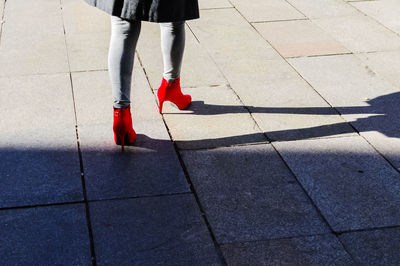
point(171, 91)
point(122, 127)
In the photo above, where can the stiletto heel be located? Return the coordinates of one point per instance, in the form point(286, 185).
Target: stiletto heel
point(122, 127)
point(171, 91)
point(122, 143)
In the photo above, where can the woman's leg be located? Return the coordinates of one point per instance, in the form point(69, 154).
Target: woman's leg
point(172, 46)
point(124, 37)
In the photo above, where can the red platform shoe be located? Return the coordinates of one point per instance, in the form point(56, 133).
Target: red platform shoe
point(171, 91)
point(122, 126)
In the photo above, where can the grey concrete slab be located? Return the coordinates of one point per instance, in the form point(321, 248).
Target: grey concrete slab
point(351, 184)
point(375, 247)
point(198, 68)
point(359, 33)
point(249, 194)
point(368, 102)
point(208, 4)
point(311, 250)
point(384, 11)
point(299, 38)
point(25, 56)
point(149, 167)
point(215, 118)
point(31, 176)
point(18, 29)
point(55, 235)
point(37, 101)
point(88, 51)
point(22, 52)
point(38, 146)
point(386, 64)
point(81, 18)
point(151, 231)
point(323, 8)
point(266, 10)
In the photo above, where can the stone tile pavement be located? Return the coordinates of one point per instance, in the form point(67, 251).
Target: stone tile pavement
point(288, 155)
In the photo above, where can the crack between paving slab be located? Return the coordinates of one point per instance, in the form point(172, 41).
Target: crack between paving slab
point(87, 210)
point(42, 205)
point(368, 229)
point(142, 197)
point(90, 201)
point(55, 73)
point(186, 173)
point(214, 8)
point(3, 14)
point(275, 238)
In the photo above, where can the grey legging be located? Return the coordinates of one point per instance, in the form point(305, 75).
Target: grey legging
point(124, 37)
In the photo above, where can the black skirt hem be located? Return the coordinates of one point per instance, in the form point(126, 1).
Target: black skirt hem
point(146, 15)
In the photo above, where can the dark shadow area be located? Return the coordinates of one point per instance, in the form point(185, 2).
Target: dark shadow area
point(383, 116)
point(248, 194)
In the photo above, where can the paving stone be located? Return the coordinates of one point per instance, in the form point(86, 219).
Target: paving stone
point(88, 51)
point(299, 38)
point(31, 176)
point(110, 173)
point(208, 4)
point(329, 76)
point(149, 167)
point(368, 102)
point(377, 247)
point(311, 250)
point(351, 184)
point(22, 52)
point(38, 150)
point(198, 69)
point(384, 11)
point(268, 203)
point(38, 7)
point(266, 10)
point(214, 118)
point(151, 231)
point(43, 101)
point(81, 18)
point(18, 29)
point(359, 33)
point(386, 64)
point(323, 8)
point(55, 235)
